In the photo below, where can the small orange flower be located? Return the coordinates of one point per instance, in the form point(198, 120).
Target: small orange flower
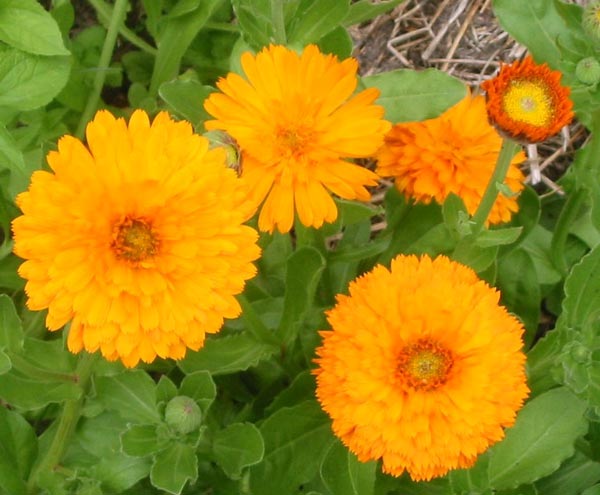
point(296, 120)
point(453, 153)
point(527, 101)
point(422, 368)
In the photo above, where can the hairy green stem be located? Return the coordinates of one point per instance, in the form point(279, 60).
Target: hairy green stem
point(105, 12)
point(507, 152)
point(118, 15)
point(278, 22)
point(561, 231)
point(66, 424)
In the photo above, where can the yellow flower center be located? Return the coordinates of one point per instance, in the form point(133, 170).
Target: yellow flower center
point(424, 365)
point(294, 139)
point(134, 240)
point(529, 102)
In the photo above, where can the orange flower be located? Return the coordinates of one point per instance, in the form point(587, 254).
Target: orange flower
point(422, 368)
point(527, 101)
point(453, 153)
point(137, 240)
point(295, 120)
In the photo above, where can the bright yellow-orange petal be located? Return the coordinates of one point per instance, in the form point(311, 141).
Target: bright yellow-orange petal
point(295, 119)
point(453, 153)
point(527, 101)
point(149, 259)
point(422, 368)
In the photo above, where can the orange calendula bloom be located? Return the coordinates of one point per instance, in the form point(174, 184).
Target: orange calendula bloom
point(453, 153)
point(422, 368)
point(137, 239)
point(527, 102)
point(295, 119)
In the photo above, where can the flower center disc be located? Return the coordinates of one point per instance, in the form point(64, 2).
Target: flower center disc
point(424, 365)
point(293, 139)
point(528, 102)
point(134, 240)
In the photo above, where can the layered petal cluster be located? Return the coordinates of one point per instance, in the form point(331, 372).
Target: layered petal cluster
point(296, 120)
point(422, 368)
point(453, 153)
point(137, 239)
point(527, 101)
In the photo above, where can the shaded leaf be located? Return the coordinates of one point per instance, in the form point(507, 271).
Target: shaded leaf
point(344, 474)
point(11, 329)
point(226, 355)
point(542, 437)
point(132, 394)
point(408, 95)
point(237, 446)
point(174, 467)
point(295, 439)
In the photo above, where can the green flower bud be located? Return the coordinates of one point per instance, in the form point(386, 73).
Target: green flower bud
point(183, 415)
point(220, 139)
point(588, 71)
point(591, 21)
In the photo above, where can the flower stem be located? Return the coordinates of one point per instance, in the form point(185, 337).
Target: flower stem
point(254, 324)
point(105, 12)
point(561, 231)
point(278, 22)
point(507, 152)
point(118, 15)
point(66, 424)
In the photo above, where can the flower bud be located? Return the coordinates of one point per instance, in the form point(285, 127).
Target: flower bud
point(182, 414)
point(588, 71)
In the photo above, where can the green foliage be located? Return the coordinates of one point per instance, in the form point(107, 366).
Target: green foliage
point(409, 95)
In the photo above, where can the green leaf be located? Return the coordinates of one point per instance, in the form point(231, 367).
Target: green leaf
point(537, 245)
point(363, 10)
point(238, 446)
point(132, 394)
point(186, 98)
point(498, 237)
point(255, 21)
point(304, 269)
point(24, 24)
point(573, 476)
point(120, 472)
point(408, 95)
point(582, 287)
point(34, 394)
point(473, 480)
point(296, 438)
point(344, 474)
point(11, 159)
point(478, 258)
point(30, 81)
point(535, 23)
point(518, 283)
point(301, 389)
point(313, 19)
point(18, 443)
point(200, 387)
point(337, 42)
point(593, 490)
point(165, 389)
point(542, 437)
point(5, 363)
point(173, 467)
point(141, 441)
point(175, 38)
point(226, 355)
point(11, 329)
